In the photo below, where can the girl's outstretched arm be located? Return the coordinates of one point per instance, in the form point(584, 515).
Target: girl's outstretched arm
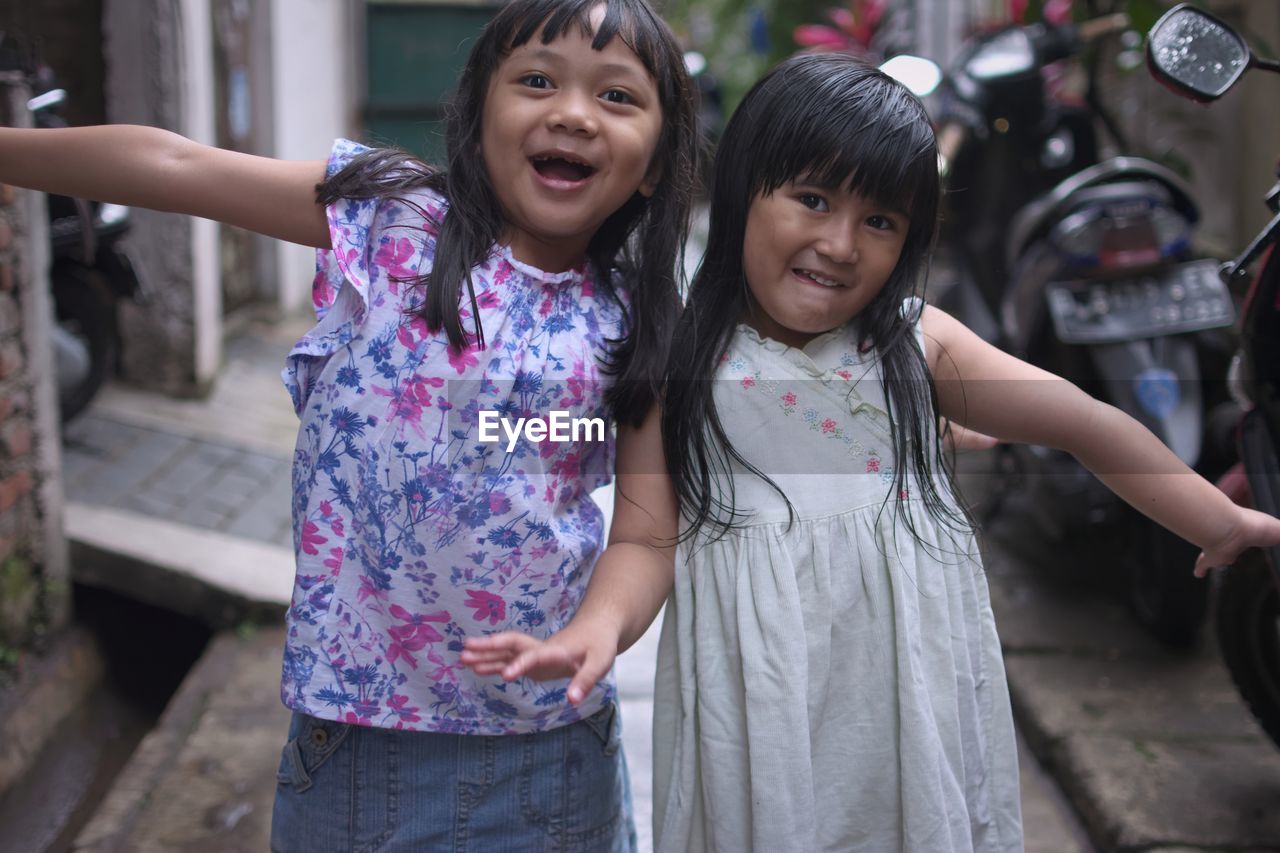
point(156, 169)
point(628, 586)
point(986, 389)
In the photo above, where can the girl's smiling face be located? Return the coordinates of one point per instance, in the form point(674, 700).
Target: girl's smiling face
point(814, 257)
point(568, 135)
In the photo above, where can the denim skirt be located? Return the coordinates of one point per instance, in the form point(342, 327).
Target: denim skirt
point(355, 788)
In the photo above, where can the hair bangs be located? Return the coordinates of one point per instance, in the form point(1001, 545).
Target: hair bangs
point(872, 142)
point(634, 23)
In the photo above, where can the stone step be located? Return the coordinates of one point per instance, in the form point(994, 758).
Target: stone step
point(204, 778)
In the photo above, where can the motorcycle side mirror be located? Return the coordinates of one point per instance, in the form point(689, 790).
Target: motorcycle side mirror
point(1196, 54)
point(918, 74)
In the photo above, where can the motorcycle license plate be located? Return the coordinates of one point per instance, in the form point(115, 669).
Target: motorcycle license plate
point(1184, 298)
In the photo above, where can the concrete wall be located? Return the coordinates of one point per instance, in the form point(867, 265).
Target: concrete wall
point(159, 73)
point(313, 45)
point(34, 591)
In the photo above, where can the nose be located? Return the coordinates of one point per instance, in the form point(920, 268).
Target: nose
point(838, 241)
point(573, 112)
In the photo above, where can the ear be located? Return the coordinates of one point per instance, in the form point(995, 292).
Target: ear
point(650, 183)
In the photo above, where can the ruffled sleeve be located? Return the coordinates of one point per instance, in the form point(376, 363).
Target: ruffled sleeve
point(363, 254)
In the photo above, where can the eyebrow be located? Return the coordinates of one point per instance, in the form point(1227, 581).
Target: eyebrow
point(546, 54)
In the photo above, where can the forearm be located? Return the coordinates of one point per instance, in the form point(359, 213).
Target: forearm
point(627, 589)
point(153, 168)
point(115, 163)
point(1139, 468)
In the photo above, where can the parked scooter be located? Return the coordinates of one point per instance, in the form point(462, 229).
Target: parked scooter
point(1083, 266)
point(90, 273)
point(1200, 57)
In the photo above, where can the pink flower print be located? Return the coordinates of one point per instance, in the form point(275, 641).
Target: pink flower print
point(789, 398)
point(368, 590)
point(334, 562)
point(748, 382)
point(322, 294)
point(399, 705)
point(567, 466)
point(311, 538)
point(411, 332)
point(844, 374)
point(391, 256)
point(873, 465)
point(828, 426)
point(577, 386)
point(903, 494)
point(545, 308)
point(414, 634)
point(461, 360)
point(487, 606)
point(487, 299)
point(354, 719)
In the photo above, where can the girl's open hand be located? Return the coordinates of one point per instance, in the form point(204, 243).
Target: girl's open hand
point(566, 654)
point(1252, 530)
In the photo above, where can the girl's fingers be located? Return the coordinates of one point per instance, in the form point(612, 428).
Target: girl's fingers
point(541, 662)
point(591, 671)
point(1202, 565)
point(493, 668)
point(509, 640)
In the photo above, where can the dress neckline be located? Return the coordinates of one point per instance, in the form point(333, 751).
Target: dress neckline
point(573, 275)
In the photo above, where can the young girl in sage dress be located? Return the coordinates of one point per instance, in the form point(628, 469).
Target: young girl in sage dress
point(829, 674)
point(536, 274)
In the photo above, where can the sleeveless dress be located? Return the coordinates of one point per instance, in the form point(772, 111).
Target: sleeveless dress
point(836, 683)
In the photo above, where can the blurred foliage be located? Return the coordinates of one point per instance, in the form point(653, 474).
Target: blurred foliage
point(742, 38)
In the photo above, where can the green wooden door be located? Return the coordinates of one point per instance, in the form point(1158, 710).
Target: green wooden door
point(414, 50)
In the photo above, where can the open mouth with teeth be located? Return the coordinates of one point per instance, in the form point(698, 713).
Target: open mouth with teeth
point(815, 278)
point(562, 169)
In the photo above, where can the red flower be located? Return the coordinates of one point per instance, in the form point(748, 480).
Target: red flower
point(828, 426)
point(462, 360)
point(873, 465)
point(398, 703)
point(487, 605)
point(311, 538)
point(413, 635)
point(789, 398)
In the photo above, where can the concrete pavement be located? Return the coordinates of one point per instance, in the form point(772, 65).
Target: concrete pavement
point(186, 502)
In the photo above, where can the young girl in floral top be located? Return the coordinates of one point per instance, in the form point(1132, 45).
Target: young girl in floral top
point(536, 275)
point(829, 675)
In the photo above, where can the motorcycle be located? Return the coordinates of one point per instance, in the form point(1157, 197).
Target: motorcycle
point(1083, 266)
point(91, 272)
point(1199, 57)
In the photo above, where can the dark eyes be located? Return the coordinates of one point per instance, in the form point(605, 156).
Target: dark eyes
point(541, 81)
point(813, 202)
point(817, 203)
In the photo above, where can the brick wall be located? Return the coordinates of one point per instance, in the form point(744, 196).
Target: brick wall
point(33, 587)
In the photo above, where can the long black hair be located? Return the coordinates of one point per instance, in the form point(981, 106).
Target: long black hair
point(643, 239)
point(830, 120)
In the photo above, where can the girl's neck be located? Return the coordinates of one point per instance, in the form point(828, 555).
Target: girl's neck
point(547, 255)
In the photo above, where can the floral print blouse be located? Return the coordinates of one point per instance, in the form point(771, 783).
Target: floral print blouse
point(411, 532)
